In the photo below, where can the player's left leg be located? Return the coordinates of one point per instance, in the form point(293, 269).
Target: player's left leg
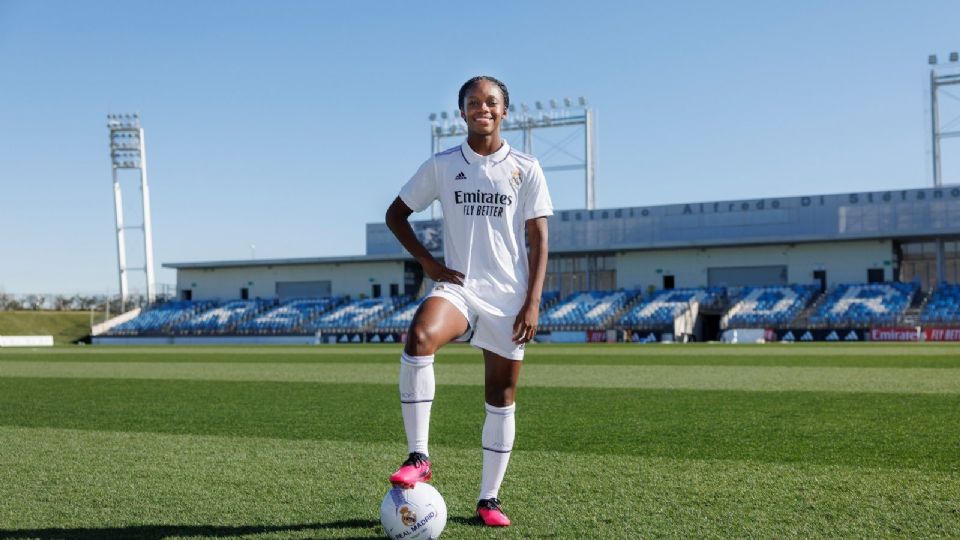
point(437, 321)
point(499, 430)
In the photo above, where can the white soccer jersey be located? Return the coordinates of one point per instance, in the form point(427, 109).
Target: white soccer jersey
point(486, 201)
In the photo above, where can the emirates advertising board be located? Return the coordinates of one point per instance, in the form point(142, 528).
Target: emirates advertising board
point(941, 334)
point(895, 334)
point(915, 334)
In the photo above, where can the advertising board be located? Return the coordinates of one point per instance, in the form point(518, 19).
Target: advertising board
point(820, 334)
point(941, 334)
point(895, 334)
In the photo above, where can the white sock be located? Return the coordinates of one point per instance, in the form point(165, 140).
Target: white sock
point(417, 387)
point(499, 431)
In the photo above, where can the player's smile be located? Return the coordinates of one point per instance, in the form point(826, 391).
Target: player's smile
point(483, 122)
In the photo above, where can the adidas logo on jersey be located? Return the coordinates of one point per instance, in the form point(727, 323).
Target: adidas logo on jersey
point(461, 176)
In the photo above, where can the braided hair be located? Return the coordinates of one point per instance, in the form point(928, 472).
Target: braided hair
point(466, 86)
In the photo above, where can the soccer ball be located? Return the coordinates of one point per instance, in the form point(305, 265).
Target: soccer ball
point(408, 514)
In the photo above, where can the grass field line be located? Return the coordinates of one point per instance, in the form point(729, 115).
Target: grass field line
point(533, 351)
point(740, 378)
point(113, 485)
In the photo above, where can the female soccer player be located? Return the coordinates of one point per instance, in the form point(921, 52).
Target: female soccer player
point(488, 287)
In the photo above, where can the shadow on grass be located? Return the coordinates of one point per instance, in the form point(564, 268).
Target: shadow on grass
point(159, 532)
point(462, 520)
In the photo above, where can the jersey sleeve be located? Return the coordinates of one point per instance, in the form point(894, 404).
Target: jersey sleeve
point(421, 189)
point(536, 197)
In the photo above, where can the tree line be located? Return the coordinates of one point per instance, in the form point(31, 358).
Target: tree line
point(63, 302)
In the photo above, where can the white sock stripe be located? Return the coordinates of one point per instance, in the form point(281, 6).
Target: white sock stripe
point(416, 361)
point(502, 411)
point(497, 451)
point(418, 401)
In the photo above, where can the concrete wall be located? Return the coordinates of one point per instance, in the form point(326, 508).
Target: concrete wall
point(844, 262)
point(351, 279)
point(908, 213)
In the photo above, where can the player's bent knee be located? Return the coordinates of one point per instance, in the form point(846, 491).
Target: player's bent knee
point(421, 341)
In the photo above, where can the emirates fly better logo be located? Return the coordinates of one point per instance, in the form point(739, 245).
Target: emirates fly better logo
point(482, 203)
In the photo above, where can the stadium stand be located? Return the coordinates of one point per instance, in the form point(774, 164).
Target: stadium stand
point(660, 310)
point(765, 307)
point(160, 318)
point(943, 306)
point(859, 305)
point(290, 317)
point(223, 319)
point(586, 310)
point(356, 315)
point(849, 305)
point(548, 299)
point(399, 320)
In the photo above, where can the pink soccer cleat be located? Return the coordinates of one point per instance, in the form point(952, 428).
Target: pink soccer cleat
point(415, 469)
point(491, 514)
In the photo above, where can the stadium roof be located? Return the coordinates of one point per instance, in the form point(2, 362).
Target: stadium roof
point(288, 261)
point(894, 214)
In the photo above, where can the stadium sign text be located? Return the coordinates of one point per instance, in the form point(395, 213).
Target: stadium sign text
point(941, 334)
point(894, 334)
point(906, 195)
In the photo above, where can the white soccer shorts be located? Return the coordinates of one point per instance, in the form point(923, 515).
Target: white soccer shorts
point(490, 332)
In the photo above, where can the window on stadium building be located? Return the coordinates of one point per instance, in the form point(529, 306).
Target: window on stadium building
point(574, 273)
point(918, 262)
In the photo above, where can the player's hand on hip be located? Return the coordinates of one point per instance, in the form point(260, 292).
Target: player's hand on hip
point(525, 325)
point(439, 272)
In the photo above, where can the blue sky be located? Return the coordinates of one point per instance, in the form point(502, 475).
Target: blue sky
point(290, 125)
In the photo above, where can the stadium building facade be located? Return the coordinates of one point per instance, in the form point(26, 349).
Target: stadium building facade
point(909, 235)
point(877, 265)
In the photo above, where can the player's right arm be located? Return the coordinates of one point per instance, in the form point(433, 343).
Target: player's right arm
point(398, 220)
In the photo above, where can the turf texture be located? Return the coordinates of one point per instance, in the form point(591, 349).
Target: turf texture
point(851, 440)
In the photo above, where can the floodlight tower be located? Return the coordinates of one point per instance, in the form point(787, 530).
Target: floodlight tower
point(948, 74)
point(555, 114)
point(941, 75)
point(128, 151)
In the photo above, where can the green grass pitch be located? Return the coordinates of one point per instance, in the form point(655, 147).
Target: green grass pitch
point(613, 441)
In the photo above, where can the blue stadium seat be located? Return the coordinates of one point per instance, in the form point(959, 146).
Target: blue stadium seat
point(223, 319)
point(771, 306)
point(586, 310)
point(943, 306)
point(399, 320)
point(289, 317)
point(660, 310)
point(549, 299)
point(860, 305)
point(161, 318)
point(356, 315)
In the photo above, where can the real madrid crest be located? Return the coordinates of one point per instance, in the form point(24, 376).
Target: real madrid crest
point(516, 179)
point(407, 516)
